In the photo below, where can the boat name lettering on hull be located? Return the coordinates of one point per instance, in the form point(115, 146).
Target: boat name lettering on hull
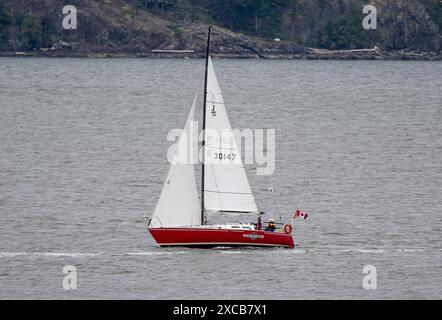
point(253, 236)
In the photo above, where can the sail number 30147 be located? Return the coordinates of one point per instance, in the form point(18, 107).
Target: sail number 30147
point(224, 156)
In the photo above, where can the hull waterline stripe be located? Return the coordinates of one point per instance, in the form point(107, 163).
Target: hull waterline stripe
point(222, 244)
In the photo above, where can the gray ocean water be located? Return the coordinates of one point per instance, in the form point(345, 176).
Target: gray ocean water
point(83, 159)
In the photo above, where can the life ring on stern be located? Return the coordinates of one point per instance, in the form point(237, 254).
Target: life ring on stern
point(288, 228)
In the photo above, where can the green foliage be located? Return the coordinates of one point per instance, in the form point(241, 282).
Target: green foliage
point(31, 32)
point(434, 8)
point(30, 27)
point(285, 19)
point(254, 17)
point(6, 16)
point(270, 17)
point(345, 32)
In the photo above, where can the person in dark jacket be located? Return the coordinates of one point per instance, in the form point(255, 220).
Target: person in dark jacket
point(271, 226)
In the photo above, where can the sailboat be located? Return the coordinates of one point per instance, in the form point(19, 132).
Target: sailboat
point(179, 218)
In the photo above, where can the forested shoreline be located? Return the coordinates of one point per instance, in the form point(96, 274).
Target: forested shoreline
point(243, 28)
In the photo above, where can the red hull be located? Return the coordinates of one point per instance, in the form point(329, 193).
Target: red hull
point(202, 237)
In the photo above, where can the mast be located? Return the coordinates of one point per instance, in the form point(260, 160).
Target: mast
point(203, 143)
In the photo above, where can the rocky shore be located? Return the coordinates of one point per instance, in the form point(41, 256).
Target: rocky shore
point(275, 54)
point(406, 31)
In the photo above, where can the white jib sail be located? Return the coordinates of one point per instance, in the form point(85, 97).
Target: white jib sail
point(178, 204)
point(226, 187)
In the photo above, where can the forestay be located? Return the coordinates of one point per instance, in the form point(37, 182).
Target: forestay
point(178, 204)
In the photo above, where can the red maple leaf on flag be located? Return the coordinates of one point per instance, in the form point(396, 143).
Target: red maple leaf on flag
point(299, 213)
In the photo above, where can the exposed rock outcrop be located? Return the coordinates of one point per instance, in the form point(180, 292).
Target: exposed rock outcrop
point(115, 28)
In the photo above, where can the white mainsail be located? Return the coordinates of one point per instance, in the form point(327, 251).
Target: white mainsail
point(178, 204)
point(226, 187)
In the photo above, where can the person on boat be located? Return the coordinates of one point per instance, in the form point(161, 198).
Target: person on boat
point(259, 224)
point(271, 226)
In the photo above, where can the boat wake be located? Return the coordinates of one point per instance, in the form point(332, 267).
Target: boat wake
point(363, 250)
point(221, 250)
point(150, 253)
point(51, 254)
point(370, 250)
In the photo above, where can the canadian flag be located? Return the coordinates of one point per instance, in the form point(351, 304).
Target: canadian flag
point(298, 213)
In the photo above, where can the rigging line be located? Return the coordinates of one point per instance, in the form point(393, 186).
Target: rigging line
point(215, 102)
point(229, 192)
point(216, 184)
point(174, 166)
point(219, 148)
point(195, 99)
point(303, 194)
point(203, 143)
